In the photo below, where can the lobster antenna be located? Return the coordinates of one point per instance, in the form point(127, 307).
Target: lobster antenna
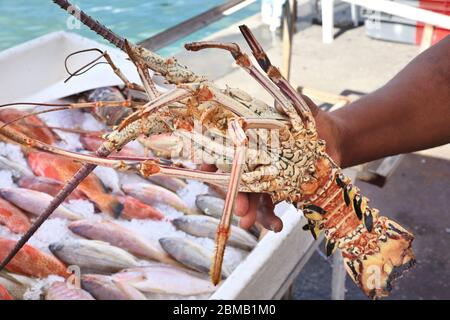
point(92, 24)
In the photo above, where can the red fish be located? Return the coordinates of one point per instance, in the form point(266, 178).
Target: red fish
point(4, 294)
point(63, 169)
point(31, 262)
point(48, 186)
point(13, 218)
point(31, 126)
point(135, 209)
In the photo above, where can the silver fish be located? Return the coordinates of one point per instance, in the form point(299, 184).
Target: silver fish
point(93, 256)
point(166, 280)
point(153, 194)
point(191, 254)
point(204, 226)
point(64, 291)
point(213, 206)
point(102, 287)
point(121, 237)
point(35, 202)
point(16, 169)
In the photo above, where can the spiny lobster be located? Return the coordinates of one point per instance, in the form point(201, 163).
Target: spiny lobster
point(290, 163)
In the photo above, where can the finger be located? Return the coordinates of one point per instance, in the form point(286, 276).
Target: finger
point(249, 219)
point(266, 215)
point(242, 204)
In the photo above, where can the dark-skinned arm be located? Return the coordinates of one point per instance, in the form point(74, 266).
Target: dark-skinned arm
point(410, 113)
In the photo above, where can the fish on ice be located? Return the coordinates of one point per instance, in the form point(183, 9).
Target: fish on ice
point(165, 279)
point(66, 291)
point(206, 227)
point(63, 169)
point(191, 254)
point(48, 186)
point(121, 237)
point(29, 261)
point(13, 218)
point(35, 202)
point(213, 206)
point(102, 287)
point(153, 194)
point(31, 126)
point(93, 255)
point(136, 209)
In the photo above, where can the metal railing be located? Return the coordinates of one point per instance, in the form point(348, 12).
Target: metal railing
point(193, 24)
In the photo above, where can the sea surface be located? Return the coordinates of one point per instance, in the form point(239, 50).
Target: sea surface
point(23, 20)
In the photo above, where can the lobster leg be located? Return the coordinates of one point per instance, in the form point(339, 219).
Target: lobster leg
point(240, 140)
point(149, 85)
point(244, 61)
point(118, 72)
point(274, 74)
point(158, 103)
point(201, 92)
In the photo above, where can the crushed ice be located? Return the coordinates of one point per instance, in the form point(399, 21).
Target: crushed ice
point(189, 193)
point(109, 178)
point(84, 208)
point(89, 123)
point(52, 230)
point(6, 179)
point(13, 153)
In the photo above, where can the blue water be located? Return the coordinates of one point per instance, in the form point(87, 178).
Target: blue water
point(22, 20)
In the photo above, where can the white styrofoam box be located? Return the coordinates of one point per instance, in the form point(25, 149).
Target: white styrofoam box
point(34, 71)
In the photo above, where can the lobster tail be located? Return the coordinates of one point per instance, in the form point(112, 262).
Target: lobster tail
point(386, 255)
point(92, 24)
point(376, 250)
